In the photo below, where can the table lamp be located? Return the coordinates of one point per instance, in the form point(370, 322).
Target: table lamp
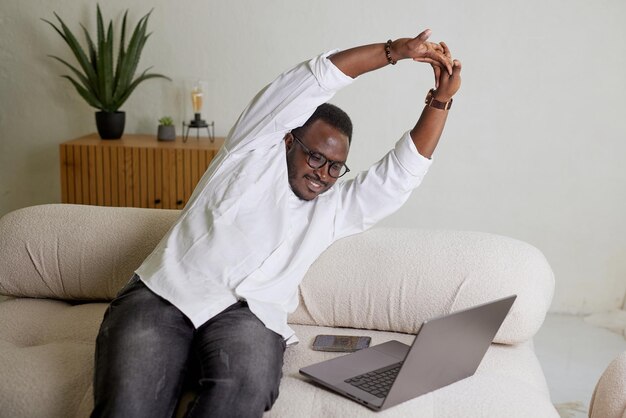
point(197, 96)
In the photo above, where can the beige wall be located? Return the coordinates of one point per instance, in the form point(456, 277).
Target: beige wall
point(534, 147)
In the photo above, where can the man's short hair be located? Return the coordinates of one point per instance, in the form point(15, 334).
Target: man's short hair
point(333, 116)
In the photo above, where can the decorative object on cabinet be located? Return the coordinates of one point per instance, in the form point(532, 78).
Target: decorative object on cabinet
point(197, 123)
point(166, 131)
point(103, 83)
point(135, 171)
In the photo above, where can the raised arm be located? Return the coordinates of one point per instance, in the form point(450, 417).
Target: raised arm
point(285, 104)
point(427, 131)
point(290, 99)
point(362, 59)
point(385, 187)
point(429, 127)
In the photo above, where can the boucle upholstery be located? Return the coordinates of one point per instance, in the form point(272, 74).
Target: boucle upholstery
point(381, 283)
point(609, 396)
point(89, 252)
point(46, 357)
point(76, 252)
point(479, 267)
point(524, 394)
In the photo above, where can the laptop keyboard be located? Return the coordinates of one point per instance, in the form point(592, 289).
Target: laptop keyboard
point(377, 382)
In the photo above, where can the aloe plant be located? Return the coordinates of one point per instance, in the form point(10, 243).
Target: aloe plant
point(102, 83)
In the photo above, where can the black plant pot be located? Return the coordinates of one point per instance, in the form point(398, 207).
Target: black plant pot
point(166, 133)
point(110, 124)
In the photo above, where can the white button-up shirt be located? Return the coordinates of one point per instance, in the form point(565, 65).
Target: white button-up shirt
point(244, 235)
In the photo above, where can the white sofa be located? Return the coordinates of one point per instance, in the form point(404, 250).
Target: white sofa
point(61, 264)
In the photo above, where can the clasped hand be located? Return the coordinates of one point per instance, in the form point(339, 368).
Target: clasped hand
point(447, 70)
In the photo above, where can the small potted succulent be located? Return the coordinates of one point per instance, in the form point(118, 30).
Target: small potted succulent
point(167, 131)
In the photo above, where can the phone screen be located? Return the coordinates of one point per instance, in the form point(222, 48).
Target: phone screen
point(341, 343)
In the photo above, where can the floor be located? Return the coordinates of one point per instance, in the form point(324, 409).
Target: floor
point(574, 354)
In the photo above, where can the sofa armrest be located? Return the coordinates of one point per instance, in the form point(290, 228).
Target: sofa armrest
point(394, 279)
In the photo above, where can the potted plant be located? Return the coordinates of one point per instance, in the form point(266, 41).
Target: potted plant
point(166, 131)
point(103, 83)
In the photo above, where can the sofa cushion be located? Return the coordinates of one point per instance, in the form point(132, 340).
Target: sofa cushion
point(46, 357)
point(508, 383)
point(47, 348)
point(76, 252)
point(395, 279)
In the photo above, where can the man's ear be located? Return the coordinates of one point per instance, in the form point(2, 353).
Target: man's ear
point(288, 140)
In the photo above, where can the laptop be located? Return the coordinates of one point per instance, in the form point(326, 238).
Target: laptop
point(445, 350)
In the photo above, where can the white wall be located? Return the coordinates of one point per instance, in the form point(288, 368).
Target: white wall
point(533, 148)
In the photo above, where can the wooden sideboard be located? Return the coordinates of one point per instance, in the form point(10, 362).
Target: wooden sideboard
point(134, 171)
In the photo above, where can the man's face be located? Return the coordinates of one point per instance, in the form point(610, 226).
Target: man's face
point(306, 182)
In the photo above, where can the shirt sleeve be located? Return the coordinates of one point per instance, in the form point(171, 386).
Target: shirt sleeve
point(286, 104)
point(381, 190)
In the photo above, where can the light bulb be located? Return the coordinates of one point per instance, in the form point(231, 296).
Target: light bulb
point(196, 99)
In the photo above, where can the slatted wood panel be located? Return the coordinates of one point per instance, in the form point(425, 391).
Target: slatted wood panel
point(134, 171)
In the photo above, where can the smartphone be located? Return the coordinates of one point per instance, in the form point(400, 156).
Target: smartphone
point(340, 343)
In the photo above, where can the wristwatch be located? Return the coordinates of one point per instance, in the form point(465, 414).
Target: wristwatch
point(432, 102)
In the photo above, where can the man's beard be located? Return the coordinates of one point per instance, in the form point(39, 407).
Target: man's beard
point(291, 175)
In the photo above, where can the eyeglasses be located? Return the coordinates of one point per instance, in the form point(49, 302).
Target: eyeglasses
point(316, 160)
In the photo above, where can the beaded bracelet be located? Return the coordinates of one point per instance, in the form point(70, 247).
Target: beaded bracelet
point(388, 53)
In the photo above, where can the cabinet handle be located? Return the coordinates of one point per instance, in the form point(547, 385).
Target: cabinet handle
point(179, 202)
point(157, 201)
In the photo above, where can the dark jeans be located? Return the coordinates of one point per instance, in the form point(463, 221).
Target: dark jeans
point(147, 349)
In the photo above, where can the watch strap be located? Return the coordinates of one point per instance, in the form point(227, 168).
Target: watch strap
point(432, 102)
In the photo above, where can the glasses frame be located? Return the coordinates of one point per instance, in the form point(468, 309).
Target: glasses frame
point(323, 157)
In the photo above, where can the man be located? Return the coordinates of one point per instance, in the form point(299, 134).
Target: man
point(217, 290)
